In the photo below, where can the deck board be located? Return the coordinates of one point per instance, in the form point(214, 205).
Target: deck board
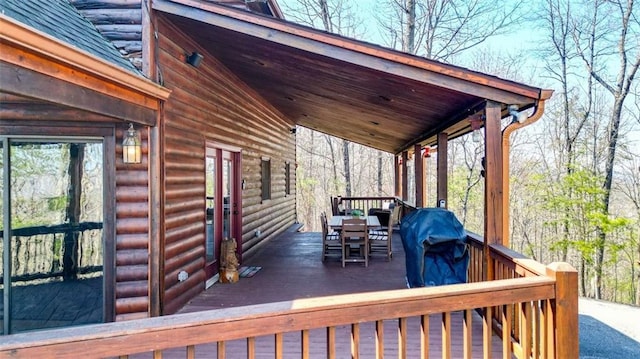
point(292, 269)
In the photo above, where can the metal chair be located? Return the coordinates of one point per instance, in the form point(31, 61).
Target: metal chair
point(354, 233)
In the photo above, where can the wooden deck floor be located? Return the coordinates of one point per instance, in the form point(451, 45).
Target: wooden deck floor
point(292, 269)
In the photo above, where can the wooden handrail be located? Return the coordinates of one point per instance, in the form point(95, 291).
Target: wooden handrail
point(532, 308)
point(159, 333)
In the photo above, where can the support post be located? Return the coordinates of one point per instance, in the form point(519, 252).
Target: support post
point(565, 311)
point(493, 193)
point(419, 175)
point(397, 174)
point(443, 141)
point(405, 178)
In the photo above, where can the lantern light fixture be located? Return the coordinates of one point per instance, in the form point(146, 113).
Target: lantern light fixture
point(131, 146)
point(476, 125)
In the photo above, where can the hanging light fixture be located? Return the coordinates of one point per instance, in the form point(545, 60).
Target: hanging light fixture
point(131, 148)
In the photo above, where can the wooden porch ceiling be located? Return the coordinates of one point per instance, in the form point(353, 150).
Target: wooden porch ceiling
point(346, 88)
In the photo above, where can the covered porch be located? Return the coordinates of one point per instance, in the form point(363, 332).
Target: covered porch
point(297, 306)
point(511, 307)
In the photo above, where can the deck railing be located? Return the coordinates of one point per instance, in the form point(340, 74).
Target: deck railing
point(341, 204)
point(57, 251)
point(533, 309)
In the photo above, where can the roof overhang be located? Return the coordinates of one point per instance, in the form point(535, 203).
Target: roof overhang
point(46, 73)
point(354, 90)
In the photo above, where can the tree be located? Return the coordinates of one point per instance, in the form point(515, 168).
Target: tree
point(610, 30)
point(442, 29)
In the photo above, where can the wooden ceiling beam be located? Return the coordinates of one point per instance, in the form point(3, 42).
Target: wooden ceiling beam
point(34, 110)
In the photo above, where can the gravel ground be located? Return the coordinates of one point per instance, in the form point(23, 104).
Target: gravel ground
point(608, 330)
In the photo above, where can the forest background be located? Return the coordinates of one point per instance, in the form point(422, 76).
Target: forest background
point(575, 174)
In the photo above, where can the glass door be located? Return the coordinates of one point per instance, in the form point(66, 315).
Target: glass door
point(222, 203)
point(51, 233)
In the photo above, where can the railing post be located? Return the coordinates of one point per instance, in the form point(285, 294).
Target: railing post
point(565, 310)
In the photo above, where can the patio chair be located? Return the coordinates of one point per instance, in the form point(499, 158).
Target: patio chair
point(354, 234)
point(380, 239)
point(330, 239)
point(335, 204)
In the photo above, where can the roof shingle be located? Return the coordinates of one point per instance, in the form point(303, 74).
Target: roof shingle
point(61, 20)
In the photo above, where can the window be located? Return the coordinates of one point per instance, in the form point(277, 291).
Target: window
point(287, 179)
point(266, 179)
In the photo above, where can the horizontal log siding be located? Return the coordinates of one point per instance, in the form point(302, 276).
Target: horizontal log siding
point(209, 104)
point(120, 21)
point(132, 233)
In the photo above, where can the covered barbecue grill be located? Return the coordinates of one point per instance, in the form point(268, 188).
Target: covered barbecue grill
point(436, 249)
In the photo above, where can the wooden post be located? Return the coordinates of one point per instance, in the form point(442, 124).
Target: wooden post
point(405, 178)
point(156, 204)
point(396, 178)
point(565, 311)
point(492, 183)
point(442, 175)
point(73, 211)
point(425, 192)
point(419, 175)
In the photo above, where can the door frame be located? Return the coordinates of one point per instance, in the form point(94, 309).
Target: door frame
point(233, 153)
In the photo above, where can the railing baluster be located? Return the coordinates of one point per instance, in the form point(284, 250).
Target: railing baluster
point(251, 348)
point(525, 334)
point(355, 341)
point(379, 339)
point(402, 338)
point(191, 352)
point(279, 345)
point(517, 323)
point(331, 342)
point(424, 336)
point(487, 331)
point(446, 335)
point(547, 337)
point(536, 330)
point(467, 329)
point(506, 331)
point(304, 344)
point(157, 354)
point(221, 350)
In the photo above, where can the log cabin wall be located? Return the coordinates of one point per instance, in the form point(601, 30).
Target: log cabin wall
point(120, 21)
point(210, 104)
point(132, 232)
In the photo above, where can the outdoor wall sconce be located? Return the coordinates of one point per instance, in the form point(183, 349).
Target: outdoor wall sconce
point(476, 124)
point(131, 146)
point(293, 130)
point(195, 59)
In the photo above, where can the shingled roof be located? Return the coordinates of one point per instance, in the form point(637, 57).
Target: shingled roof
point(61, 20)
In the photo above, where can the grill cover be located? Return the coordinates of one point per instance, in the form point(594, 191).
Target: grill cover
point(436, 251)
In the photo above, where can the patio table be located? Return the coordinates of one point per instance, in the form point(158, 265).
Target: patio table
point(336, 221)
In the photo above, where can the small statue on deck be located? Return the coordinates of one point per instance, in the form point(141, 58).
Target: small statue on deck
point(228, 261)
